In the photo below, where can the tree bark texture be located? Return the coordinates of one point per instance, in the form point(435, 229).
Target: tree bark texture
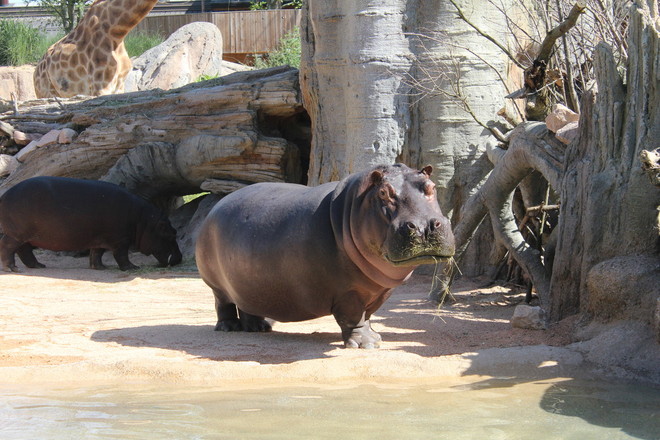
point(357, 58)
point(353, 57)
point(217, 135)
point(609, 207)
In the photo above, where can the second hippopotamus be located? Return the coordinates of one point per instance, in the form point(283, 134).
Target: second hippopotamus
point(64, 214)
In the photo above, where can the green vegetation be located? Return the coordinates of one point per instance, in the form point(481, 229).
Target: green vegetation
point(66, 13)
point(138, 43)
point(206, 77)
point(276, 4)
point(22, 44)
point(286, 53)
point(190, 197)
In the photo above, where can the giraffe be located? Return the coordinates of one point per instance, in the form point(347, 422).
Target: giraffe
point(91, 59)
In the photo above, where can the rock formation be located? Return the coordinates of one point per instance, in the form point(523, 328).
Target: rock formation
point(192, 52)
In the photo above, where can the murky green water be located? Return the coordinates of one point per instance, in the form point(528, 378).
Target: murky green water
point(492, 409)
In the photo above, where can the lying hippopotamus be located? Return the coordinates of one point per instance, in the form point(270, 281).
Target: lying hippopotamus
point(63, 214)
point(293, 253)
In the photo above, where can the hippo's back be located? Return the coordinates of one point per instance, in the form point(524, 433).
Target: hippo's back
point(60, 213)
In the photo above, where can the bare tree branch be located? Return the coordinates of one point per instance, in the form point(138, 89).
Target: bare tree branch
point(552, 36)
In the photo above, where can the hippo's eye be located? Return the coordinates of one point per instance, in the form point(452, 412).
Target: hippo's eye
point(387, 193)
point(383, 193)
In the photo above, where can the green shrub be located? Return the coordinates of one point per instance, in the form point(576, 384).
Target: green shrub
point(206, 77)
point(138, 43)
point(21, 44)
point(286, 53)
point(284, 4)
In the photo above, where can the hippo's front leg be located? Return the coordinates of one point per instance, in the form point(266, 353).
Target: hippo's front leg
point(121, 256)
point(355, 327)
point(360, 335)
point(27, 257)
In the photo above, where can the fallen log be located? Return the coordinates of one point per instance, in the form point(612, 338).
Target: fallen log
point(218, 134)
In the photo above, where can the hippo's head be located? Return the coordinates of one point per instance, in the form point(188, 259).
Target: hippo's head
point(417, 231)
point(388, 221)
point(159, 239)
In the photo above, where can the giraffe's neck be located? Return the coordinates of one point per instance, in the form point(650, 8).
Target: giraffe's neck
point(120, 15)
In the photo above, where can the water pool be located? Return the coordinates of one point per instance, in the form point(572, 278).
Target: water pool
point(489, 409)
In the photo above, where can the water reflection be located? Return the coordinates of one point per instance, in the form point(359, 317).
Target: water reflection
point(633, 409)
point(492, 409)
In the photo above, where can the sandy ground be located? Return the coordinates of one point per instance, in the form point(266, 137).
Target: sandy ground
point(68, 324)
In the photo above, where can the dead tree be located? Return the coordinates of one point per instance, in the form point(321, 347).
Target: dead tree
point(605, 261)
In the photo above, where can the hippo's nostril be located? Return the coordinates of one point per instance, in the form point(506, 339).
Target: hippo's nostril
point(434, 224)
point(411, 226)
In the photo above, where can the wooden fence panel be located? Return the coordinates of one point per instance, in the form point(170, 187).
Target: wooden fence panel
point(243, 32)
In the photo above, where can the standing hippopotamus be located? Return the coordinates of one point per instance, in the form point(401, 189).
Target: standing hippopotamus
point(63, 214)
point(292, 253)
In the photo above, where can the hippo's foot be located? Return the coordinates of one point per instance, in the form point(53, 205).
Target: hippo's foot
point(252, 323)
point(99, 266)
point(36, 265)
point(11, 268)
point(363, 337)
point(129, 266)
point(229, 325)
point(258, 326)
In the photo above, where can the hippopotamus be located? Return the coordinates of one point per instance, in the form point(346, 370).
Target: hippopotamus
point(290, 252)
point(65, 214)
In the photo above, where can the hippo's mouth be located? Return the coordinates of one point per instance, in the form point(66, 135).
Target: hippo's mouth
point(418, 260)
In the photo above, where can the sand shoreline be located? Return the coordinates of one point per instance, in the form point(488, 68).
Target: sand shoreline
point(67, 325)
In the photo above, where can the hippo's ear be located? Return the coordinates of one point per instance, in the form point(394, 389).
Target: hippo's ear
point(375, 178)
point(428, 169)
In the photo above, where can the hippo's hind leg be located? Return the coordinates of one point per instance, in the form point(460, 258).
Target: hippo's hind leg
point(27, 257)
point(96, 258)
point(227, 314)
point(8, 248)
point(232, 319)
point(253, 323)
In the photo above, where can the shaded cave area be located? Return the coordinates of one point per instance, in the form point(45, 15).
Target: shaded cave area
point(296, 129)
point(187, 207)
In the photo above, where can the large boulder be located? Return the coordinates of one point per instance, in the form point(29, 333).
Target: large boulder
point(193, 51)
point(624, 287)
point(17, 80)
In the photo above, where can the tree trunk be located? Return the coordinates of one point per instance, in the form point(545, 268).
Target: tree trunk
point(605, 263)
point(354, 55)
point(609, 207)
point(359, 62)
point(217, 135)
